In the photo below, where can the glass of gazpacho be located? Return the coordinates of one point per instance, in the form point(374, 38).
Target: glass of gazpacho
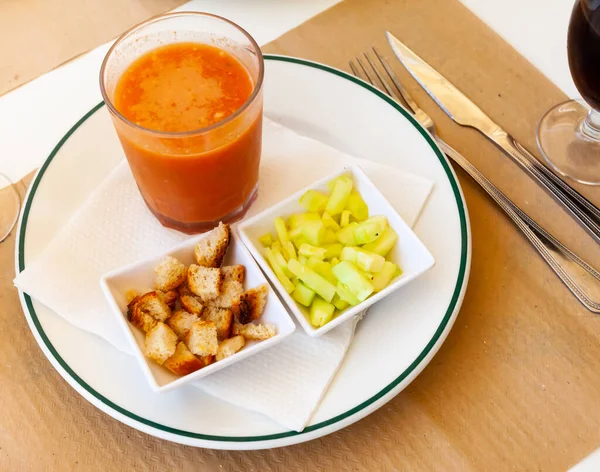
point(184, 91)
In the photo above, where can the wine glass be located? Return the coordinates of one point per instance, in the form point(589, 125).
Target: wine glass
point(568, 135)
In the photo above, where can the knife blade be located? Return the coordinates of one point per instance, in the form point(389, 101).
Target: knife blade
point(466, 113)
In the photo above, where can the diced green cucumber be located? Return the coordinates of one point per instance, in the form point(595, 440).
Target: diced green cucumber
point(303, 294)
point(345, 219)
point(365, 260)
point(384, 276)
point(369, 230)
point(322, 268)
point(307, 250)
point(313, 232)
point(345, 294)
point(312, 280)
point(313, 200)
point(348, 274)
point(299, 219)
point(285, 281)
point(339, 196)
point(339, 303)
point(283, 264)
point(329, 222)
point(384, 243)
point(281, 230)
point(266, 240)
point(329, 237)
point(346, 234)
point(289, 251)
point(321, 312)
point(357, 206)
point(332, 250)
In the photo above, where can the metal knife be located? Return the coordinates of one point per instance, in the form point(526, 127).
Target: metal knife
point(464, 112)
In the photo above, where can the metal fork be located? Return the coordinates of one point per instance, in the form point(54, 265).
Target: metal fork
point(579, 277)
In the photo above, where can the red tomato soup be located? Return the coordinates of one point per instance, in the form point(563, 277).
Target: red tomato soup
point(193, 179)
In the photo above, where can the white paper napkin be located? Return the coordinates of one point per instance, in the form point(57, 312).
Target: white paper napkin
point(114, 228)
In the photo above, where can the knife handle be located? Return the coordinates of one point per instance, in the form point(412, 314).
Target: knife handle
point(582, 210)
point(579, 277)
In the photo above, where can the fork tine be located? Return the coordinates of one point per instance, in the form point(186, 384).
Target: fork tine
point(354, 69)
point(362, 66)
point(387, 88)
point(394, 78)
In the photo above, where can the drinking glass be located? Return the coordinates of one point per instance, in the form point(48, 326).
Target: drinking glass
point(568, 135)
point(10, 204)
point(191, 180)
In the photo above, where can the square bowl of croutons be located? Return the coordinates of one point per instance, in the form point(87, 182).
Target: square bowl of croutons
point(196, 309)
point(334, 249)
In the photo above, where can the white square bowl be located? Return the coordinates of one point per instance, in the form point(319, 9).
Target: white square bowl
point(140, 277)
point(409, 253)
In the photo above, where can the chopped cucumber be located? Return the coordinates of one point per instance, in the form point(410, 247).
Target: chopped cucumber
point(345, 219)
point(313, 200)
point(346, 235)
point(281, 230)
point(266, 240)
point(348, 274)
point(307, 250)
point(303, 294)
point(333, 250)
point(339, 196)
point(329, 237)
point(289, 251)
point(322, 268)
point(369, 230)
point(313, 232)
point(384, 243)
point(357, 207)
point(285, 281)
point(321, 312)
point(329, 222)
point(339, 303)
point(299, 219)
point(365, 260)
point(312, 280)
point(385, 276)
point(344, 292)
point(283, 264)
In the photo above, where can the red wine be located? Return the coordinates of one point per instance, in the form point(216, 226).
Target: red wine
point(584, 50)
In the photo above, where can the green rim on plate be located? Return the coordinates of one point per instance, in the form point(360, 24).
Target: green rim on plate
point(438, 333)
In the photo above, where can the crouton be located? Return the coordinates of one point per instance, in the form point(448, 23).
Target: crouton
point(170, 298)
point(181, 321)
point(222, 318)
point(183, 362)
point(161, 343)
point(202, 338)
point(211, 250)
point(258, 332)
point(208, 360)
point(141, 319)
point(189, 301)
point(252, 304)
point(170, 274)
point(230, 346)
point(131, 296)
point(151, 303)
point(205, 282)
point(230, 294)
point(236, 272)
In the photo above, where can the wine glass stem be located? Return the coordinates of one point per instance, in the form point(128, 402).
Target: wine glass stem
point(590, 127)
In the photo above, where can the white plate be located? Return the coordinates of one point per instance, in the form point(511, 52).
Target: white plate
point(409, 327)
point(140, 277)
point(408, 253)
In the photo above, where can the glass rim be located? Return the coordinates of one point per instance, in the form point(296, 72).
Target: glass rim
point(180, 134)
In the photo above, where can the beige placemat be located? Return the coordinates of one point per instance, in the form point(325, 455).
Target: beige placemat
point(514, 387)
